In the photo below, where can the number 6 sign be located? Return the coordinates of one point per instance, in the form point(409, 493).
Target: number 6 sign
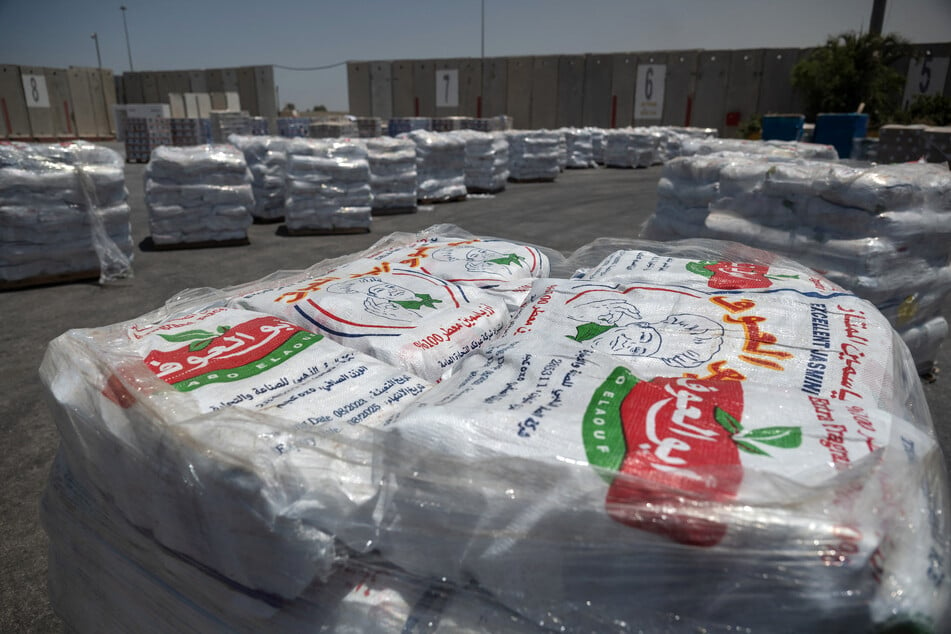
point(649, 100)
point(447, 88)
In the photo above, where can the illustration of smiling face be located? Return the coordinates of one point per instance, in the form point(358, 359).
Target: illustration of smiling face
point(635, 340)
point(385, 290)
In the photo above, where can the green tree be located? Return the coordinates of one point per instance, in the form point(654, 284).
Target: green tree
point(852, 69)
point(320, 108)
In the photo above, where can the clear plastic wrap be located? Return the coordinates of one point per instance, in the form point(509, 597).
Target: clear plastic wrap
point(487, 161)
point(392, 164)
point(266, 157)
point(631, 147)
point(440, 166)
point(881, 231)
point(201, 193)
point(669, 439)
point(533, 155)
point(63, 210)
point(579, 144)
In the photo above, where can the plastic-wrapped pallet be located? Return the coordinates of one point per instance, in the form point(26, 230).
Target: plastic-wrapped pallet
point(190, 131)
point(293, 127)
point(142, 135)
point(630, 147)
point(597, 145)
point(198, 194)
point(611, 459)
point(579, 144)
point(333, 130)
point(440, 166)
point(938, 144)
point(533, 155)
point(266, 157)
point(901, 143)
point(448, 124)
point(328, 186)
point(260, 126)
point(408, 124)
point(672, 139)
point(774, 149)
point(224, 124)
point(487, 161)
point(392, 164)
point(369, 127)
point(883, 231)
point(63, 213)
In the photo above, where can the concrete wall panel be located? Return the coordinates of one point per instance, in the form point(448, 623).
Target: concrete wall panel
point(742, 96)
point(571, 89)
point(709, 106)
point(404, 99)
point(97, 96)
point(470, 87)
point(623, 77)
point(424, 86)
point(57, 83)
point(110, 98)
point(266, 91)
point(150, 88)
point(598, 74)
point(544, 92)
point(494, 86)
point(358, 88)
point(132, 88)
point(248, 94)
point(680, 86)
point(518, 98)
point(14, 117)
point(776, 94)
point(381, 89)
point(197, 81)
point(84, 109)
point(448, 64)
point(41, 119)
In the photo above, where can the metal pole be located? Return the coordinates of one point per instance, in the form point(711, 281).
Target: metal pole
point(482, 65)
point(95, 38)
point(127, 45)
point(878, 18)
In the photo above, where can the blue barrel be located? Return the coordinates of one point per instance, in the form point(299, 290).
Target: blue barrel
point(840, 130)
point(783, 127)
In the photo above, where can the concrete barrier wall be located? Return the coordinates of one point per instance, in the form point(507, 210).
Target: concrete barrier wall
point(544, 110)
point(742, 97)
point(518, 98)
point(404, 97)
point(495, 86)
point(571, 87)
point(623, 76)
point(598, 75)
point(358, 88)
point(381, 90)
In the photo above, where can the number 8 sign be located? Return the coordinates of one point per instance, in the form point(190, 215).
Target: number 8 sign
point(34, 91)
point(447, 88)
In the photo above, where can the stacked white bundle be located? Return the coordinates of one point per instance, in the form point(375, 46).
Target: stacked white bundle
point(631, 147)
point(673, 139)
point(774, 149)
point(440, 166)
point(533, 155)
point(562, 150)
point(579, 143)
point(607, 457)
point(392, 173)
point(597, 144)
point(882, 232)
point(198, 194)
point(487, 161)
point(328, 185)
point(63, 211)
point(266, 157)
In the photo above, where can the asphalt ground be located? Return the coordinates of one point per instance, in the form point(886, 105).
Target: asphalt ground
point(578, 207)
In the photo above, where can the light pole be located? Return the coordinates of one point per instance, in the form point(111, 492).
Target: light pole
point(127, 45)
point(482, 65)
point(95, 38)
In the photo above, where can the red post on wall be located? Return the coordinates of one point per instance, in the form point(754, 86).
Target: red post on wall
point(479, 107)
point(613, 111)
point(6, 116)
point(415, 106)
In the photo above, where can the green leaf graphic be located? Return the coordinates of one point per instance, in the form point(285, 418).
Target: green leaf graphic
point(195, 346)
point(748, 448)
point(590, 330)
point(784, 437)
point(223, 329)
point(699, 268)
point(187, 335)
point(727, 421)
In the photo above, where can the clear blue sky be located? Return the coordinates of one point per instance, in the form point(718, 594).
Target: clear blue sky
point(185, 34)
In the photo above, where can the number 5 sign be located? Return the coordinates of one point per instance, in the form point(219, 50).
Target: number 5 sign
point(34, 89)
point(926, 76)
point(649, 97)
point(447, 88)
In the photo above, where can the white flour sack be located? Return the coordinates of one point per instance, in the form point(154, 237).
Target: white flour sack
point(567, 469)
point(397, 314)
point(233, 419)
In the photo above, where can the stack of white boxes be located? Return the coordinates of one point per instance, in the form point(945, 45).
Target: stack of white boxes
point(392, 164)
point(533, 155)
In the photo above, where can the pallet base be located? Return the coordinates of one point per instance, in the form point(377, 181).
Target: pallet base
point(532, 180)
point(482, 190)
point(392, 211)
point(268, 221)
point(46, 280)
point(283, 230)
point(438, 201)
point(149, 245)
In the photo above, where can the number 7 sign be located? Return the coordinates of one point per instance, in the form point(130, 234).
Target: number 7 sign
point(447, 88)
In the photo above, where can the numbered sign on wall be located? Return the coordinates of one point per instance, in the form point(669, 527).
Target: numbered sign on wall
point(649, 93)
point(34, 89)
point(926, 76)
point(447, 88)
